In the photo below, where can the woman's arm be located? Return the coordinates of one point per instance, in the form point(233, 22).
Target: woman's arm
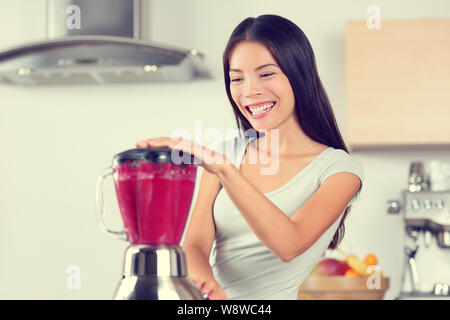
point(199, 238)
point(289, 237)
point(200, 232)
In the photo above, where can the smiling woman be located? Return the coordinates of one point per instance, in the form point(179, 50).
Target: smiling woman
point(268, 230)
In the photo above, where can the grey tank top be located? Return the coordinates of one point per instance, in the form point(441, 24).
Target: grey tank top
point(241, 263)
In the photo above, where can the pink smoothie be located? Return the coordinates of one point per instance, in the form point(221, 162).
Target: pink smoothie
point(154, 201)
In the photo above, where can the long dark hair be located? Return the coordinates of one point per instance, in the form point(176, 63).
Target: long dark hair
point(292, 51)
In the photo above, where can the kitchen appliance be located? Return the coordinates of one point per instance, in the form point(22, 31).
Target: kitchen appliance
point(426, 217)
point(97, 42)
point(154, 189)
point(418, 180)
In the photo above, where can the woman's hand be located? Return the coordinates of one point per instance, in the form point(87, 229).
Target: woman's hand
point(211, 288)
point(210, 160)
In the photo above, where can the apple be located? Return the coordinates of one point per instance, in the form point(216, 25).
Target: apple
point(330, 267)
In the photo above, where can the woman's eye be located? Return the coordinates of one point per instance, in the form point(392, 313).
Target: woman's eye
point(267, 74)
point(236, 80)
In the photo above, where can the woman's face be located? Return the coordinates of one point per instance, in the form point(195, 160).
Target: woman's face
point(259, 88)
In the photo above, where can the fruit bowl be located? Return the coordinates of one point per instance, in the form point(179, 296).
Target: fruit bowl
point(341, 288)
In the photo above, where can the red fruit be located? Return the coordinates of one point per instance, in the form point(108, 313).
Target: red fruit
point(345, 266)
point(329, 267)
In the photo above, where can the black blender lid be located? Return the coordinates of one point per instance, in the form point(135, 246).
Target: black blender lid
point(153, 155)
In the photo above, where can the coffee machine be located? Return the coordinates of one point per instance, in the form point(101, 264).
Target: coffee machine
point(426, 217)
point(154, 188)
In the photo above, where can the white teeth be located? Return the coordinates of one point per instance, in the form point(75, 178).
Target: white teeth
point(261, 109)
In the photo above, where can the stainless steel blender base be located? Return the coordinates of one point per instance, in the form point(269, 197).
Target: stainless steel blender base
point(156, 288)
point(155, 273)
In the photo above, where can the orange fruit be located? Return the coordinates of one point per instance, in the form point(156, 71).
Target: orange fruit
point(351, 273)
point(371, 259)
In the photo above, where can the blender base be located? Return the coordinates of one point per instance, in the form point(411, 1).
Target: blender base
point(156, 273)
point(156, 288)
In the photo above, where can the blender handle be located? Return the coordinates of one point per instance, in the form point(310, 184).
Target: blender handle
point(100, 203)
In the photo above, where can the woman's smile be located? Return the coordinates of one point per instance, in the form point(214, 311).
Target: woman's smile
point(259, 110)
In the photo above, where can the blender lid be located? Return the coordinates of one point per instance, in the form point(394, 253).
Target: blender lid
point(153, 155)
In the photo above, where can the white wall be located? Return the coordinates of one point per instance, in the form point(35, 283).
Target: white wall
point(56, 140)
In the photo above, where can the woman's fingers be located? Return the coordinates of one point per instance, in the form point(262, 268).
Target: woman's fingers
point(205, 286)
point(217, 294)
point(208, 288)
point(210, 160)
point(211, 288)
point(199, 284)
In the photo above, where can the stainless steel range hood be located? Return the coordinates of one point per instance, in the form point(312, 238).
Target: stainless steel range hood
point(95, 42)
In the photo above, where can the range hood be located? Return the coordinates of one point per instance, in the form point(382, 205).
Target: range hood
point(95, 42)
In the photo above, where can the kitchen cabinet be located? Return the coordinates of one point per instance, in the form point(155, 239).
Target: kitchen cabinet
point(398, 83)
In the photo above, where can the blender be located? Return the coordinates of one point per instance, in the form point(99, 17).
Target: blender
point(154, 188)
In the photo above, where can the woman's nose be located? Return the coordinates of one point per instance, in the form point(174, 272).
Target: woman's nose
point(252, 87)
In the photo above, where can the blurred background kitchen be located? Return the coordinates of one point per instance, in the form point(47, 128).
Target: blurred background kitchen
point(389, 88)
